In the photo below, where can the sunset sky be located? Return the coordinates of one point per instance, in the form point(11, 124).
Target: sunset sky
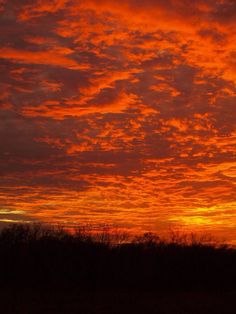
point(119, 112)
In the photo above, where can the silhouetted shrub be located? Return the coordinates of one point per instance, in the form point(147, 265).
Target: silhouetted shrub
point(38, 256)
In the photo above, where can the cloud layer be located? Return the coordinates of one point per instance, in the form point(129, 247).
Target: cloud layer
point(119, 112)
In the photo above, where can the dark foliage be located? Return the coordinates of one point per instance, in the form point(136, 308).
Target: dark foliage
point(33, 256)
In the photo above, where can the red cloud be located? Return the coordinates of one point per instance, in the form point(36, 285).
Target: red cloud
point(119, 112)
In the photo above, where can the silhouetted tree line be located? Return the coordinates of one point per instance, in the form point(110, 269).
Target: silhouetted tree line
point(35, 256)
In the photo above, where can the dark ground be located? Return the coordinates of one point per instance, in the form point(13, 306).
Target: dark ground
point(69, 302)
point(49, 271)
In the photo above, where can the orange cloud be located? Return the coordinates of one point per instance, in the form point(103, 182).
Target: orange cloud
point(57, 57)
point(120, 113)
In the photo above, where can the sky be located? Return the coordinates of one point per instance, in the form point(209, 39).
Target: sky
point(120, 113)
